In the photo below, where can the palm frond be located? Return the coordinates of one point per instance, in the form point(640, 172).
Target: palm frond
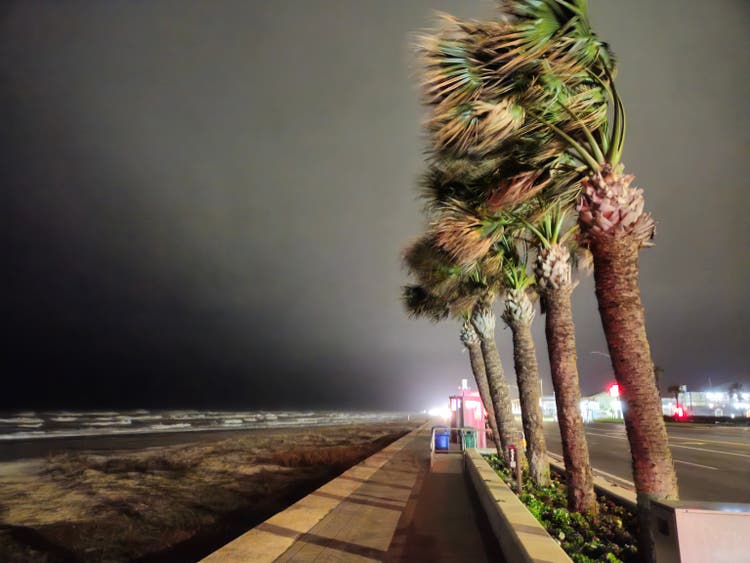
point(463, 304)
point(447, 57)
point(420, 303)
point(474, 128)
point(463, 234)
point(428, 263)
point(466, 168)
point(517, 189)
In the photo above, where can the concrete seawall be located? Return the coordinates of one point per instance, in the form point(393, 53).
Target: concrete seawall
point(269, 540)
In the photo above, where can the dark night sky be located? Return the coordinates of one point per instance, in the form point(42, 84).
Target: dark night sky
point(203, 203)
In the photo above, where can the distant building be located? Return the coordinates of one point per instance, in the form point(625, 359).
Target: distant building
point(714, 402)
point(608, 405)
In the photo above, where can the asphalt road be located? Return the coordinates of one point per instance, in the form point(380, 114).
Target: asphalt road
point(712, 462)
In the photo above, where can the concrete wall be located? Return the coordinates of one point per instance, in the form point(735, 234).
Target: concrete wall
point(522, 538)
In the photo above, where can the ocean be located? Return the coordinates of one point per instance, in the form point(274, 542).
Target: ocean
point(30, 425)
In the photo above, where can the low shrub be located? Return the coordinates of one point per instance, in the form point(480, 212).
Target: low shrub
point(608, 537)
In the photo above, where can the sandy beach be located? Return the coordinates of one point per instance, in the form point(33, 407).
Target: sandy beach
point(166, 497)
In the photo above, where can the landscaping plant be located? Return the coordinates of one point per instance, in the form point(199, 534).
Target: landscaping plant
point(608, 536)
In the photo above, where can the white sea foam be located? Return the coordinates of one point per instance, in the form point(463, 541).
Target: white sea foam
point(146, 417)
point(21, 435)
point(120, 421)
point(170, 426)
point(21, 419)
point(18, 426)
point(181, 415)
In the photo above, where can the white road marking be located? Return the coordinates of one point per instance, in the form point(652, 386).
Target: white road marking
point(612, 476)
point(607, 435)
point(707, 450)
point(597, 471)
point(696, 464)
point(672, 445)
point(740, 444)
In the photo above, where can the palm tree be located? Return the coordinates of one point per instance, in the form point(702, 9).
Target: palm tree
point(454, 183)
point(483, 320)
point(545, 70)
point(675, 390)
point(436, 275)
point(518, 315)
point(470, 241)
point(498, 179)
point(555, 285)
point(612, 220)
point(470, 340)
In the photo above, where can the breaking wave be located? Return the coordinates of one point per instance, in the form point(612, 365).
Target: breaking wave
point(59, 424)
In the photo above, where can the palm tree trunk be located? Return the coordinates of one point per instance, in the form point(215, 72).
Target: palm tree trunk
point(527, 375)
point(623, 318)
point(480, 375)
point(484, 322)
point(561, 345)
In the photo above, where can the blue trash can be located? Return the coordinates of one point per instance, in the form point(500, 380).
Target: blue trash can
point(442, 438)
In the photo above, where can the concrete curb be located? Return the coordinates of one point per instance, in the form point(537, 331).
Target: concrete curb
point(263, 544)
point(522, 538)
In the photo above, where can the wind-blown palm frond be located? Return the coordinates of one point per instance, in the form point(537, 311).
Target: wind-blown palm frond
point(467, 168)
point(431, 265)
point(517, 189)
point(450, 72)
point(444, 288)
point(475, 128)
point(560, 73)
point(420, 303)
point(508, 52)
point(464, 234)
point(515, 258)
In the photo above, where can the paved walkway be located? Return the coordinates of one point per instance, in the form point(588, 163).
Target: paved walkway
point(442, 520)
point(399, 511)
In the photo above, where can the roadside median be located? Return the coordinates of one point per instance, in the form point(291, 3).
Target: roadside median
point(522, 538)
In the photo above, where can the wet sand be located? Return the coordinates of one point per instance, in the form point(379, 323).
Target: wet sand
point(165, 497)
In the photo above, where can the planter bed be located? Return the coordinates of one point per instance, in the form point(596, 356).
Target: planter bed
point(608, 537)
